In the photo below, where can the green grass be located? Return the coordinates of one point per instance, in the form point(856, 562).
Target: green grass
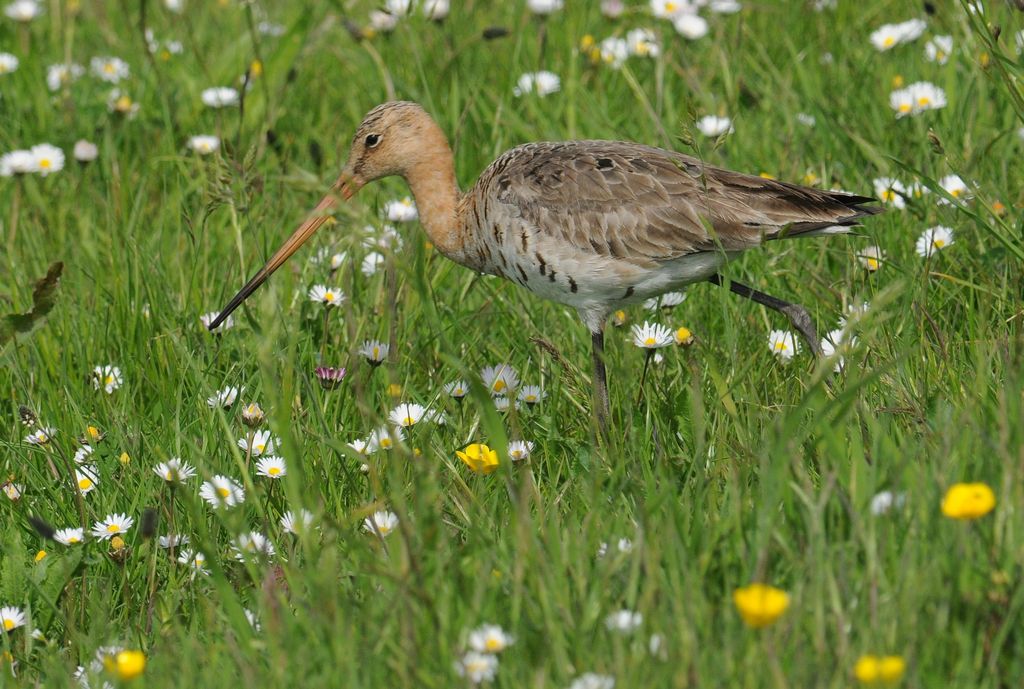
point(732, 468)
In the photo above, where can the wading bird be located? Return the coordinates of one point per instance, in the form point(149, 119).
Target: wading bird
point(595, 225)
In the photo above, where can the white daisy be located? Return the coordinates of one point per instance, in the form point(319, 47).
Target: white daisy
point(500, 379)
point(107, 377)
point(328, 296)
point(713, 126)
point(403, 210)
point(668, 9)
point(624, 621)
point(519, 450)
point(933, 239)
point(890, 191)
point(174, 470)
point(885, 501)
point(643, 43)
point(917, 98)
point(591, 680)
point(252, 544)
point(381, 523)
point(271, 467)
point(195, 560)
point(48, 159)
point(8, 63)
point(407, 415)
point(220, 97)
point(725, 6)
point(262, 443)
point(542, 83)
point(435, 10)
point(531, 394)
point(398, 8)
point(614, 51)
point(938, 49)
point(871, 258)
point(17, 163)
point(477, 667)
point(40, 436)
point(955, 187)
point(173, 541)
point(11, 618)
point(544, 7)
point(221, 491)
point(207, 318)
point(691, 26)
point(383, 22)
point(85, 151)
point(111, 69)
point(23, 10)
point(490, 638)
point(502, 403)
point(372, 262)
point(113, 525)
point(85, 479)
point(652, 336)
point(457, 389)
point(374, 351)
point(783, 344)
point(83, 454)
point(806, 119)
point(62, 75)
point(667, 300)
point(889, 36)
point(253, 415)
point(13, 490)
point(224, 398)
point(204, 144)
point(385, 439)
point(360, 446)
point(296, 522)
point(71, 536)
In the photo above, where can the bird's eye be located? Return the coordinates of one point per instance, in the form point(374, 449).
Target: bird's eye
point(372, 140)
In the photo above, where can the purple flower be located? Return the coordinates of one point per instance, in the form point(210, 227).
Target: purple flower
point(330, 378)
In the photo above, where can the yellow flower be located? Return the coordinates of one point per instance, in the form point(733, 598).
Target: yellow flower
point(116, 543)
point(897, 81)
point(256, 69)
point(125, 665)
point(684, 337)
point(480, 458)
point(759, 604)
point(619, 318)
point(968, 501)
point(395, 390)
point(40, 555)
point(124, 458)
point(879, 670)
point(767, 175)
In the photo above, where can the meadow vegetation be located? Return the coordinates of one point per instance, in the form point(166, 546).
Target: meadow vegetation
point(735, 460)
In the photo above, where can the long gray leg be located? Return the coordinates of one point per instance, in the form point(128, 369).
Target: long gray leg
point(601, 407)
point(797, 315)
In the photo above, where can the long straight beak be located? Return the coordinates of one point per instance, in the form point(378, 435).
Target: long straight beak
point(346, 187)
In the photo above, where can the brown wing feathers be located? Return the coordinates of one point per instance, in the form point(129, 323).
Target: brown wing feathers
point(640, 202)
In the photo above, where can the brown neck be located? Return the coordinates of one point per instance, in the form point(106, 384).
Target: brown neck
point(432, 181)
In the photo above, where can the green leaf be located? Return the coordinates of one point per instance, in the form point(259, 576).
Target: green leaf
point(44, 296)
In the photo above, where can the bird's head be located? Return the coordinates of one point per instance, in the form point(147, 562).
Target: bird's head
point(393, 139)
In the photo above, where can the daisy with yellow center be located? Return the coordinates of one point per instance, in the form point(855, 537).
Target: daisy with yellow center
point(271, 467)
point(651, 336)
point(490, 638)
point(221, 491)
point(113, 525)
point(328, 296)
point(381, 523)
point(783, 344)
point(407, 415)
point(500, 379)
point(11, 618)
